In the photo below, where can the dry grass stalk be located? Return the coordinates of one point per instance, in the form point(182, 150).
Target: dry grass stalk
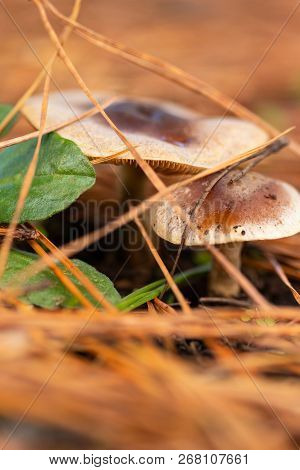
point(90, 287)
point(244, 283)
point(32, 135)
point(60, 274)
point(287, 247)
point(25, 188)
point(184, 305)
point(150, 173)
point(47, 130)
point(265, 265)
point(279, 270)
point(33, 87)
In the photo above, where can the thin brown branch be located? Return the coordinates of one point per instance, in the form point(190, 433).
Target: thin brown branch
point(281, 274)
point(31, 135)
point(190, 224)
point(66, 281)
point(225, 301)
point(273, 148)
point(25, 188)
point(265, 265)
point(185, 306)
point(66, 32)
point(56, 127)
point(243, 282)
point(90, 287)
point(254, 160)
point(150, 173)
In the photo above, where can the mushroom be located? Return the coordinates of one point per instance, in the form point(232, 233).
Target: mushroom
point(171, 138)
point(235, 210)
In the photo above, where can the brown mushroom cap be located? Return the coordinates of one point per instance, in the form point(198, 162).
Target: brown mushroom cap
point(253, 208)
point(170, 137)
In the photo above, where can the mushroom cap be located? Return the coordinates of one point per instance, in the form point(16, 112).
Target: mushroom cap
point(253, 208)
point(172, 138)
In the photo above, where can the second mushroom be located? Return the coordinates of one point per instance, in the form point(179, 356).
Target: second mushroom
point(236, 210)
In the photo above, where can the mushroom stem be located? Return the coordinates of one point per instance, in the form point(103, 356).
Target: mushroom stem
point(133, 181)
point(134, 190)
point(220, 283)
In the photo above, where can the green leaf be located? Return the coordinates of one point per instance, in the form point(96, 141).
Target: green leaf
point(63, 173)
point(149, 292)
point(56, 295)
point(4, 110)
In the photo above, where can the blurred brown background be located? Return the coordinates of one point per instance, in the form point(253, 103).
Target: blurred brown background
point(220, 42)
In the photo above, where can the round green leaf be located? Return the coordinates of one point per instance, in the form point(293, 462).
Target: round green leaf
point(56, 295)
point(62, 174)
